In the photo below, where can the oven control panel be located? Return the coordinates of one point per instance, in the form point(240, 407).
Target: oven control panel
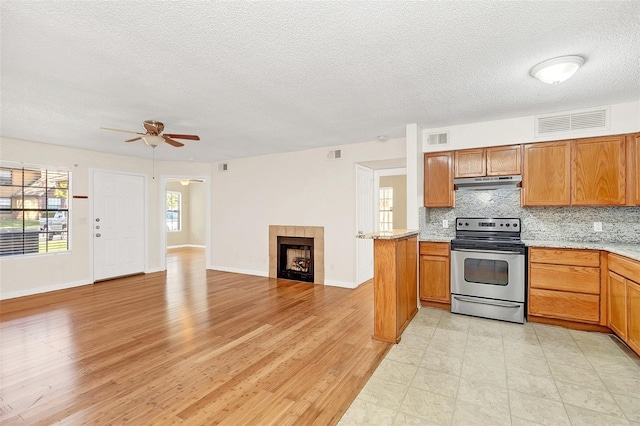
point(488, 224)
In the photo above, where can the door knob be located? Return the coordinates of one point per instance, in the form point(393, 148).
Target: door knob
point(98, 235)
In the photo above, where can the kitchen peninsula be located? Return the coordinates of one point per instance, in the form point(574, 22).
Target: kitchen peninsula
point(395, 289)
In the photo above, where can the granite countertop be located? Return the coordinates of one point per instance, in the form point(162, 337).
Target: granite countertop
point(389, 235)
point(436, 239)
point(629, 250)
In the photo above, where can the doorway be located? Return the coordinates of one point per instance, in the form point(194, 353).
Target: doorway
point(370, 177)
point(185, 214)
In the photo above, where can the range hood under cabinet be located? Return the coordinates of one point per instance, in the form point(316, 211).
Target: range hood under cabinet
point(484, 183)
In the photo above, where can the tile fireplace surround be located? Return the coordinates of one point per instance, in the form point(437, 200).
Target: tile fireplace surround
point(315, 232)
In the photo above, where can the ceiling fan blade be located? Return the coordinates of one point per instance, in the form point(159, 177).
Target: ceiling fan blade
point(124, 131)
point(176, 136)
point(170, 141)
point(134, 139)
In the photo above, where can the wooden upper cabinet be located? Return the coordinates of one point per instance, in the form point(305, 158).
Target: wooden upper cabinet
point(470, 163)
point(504, 160)
point(438, 179)
point(598, 171)
point(635, 168)
point(494, 161)
point(546, 177)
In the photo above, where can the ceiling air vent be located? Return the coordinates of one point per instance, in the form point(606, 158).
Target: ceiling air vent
point(438, 139)
point(572, 121)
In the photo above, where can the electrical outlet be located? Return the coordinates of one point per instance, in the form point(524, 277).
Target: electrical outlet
point(597, 226)
point(445, 223)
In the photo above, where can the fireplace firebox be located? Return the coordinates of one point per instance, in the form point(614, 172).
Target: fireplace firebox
point(295, 258)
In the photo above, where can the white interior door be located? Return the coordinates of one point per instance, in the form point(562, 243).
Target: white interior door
point(364, 223)
point(118, 225)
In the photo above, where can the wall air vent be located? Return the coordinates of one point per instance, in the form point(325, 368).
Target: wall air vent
point(335, 154)
point(223, 167)
point(438, 139)
point(591, 119)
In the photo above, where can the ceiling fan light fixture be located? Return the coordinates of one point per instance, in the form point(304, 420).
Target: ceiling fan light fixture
point(557, 70)
point(152, 140)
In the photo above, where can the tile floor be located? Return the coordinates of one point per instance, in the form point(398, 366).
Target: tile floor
point(454, 369)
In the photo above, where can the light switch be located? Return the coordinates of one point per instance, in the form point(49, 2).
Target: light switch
point(597, 226)
point(445, 223)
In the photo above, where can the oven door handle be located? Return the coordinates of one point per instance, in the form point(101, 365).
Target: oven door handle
point(487, 302)
point(486, 251)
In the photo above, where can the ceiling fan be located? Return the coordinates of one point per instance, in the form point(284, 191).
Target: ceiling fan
point(154, 135)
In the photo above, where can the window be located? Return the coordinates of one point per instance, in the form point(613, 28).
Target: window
point(5, 177)
point(34, 210)
point(386, 209)
point(174, 208)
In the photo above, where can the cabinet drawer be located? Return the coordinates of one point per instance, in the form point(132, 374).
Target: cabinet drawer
point(625, 267)
point(565, 256)
point(577, 279)
point(434, 249)
point(564, 305)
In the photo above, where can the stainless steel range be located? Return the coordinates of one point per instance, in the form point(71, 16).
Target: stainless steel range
point(488, 269)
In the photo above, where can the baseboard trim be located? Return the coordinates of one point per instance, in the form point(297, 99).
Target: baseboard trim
point(45, 289)
point(343, 284)
point(238, 270)
point(569, 324)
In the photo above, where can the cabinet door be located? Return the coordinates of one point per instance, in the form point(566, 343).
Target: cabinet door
point(504, 160)
point(438, 179)
point(633, 315)
point(546, 179)
point(434, 279)
point(470, 163)
point(412, 277)
point(617, 305)
point(598, 171)
point(402, 308)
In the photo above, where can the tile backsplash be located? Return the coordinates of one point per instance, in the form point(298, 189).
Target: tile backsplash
point(619, 224)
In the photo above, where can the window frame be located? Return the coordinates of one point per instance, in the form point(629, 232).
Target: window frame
point(385, 225)
point(178, 212)
point(51, 247)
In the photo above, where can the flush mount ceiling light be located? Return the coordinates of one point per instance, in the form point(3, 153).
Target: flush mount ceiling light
point(184, 182)
point(557, 70)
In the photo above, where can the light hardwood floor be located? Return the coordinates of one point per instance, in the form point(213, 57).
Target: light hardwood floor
point(190, 346)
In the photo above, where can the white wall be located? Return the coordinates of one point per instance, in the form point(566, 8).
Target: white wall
point(23, 275)
point(297, 188)
point(625, 118)
point(197, 210)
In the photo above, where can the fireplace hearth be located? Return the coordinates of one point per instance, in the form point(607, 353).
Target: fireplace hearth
point(295, 258)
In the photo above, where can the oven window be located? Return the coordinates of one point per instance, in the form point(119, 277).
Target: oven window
point(485, 271)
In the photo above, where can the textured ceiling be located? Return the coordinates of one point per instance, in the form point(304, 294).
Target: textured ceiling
point(260, 77)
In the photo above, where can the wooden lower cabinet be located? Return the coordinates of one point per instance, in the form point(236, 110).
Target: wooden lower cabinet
point(435, 272)
point(624, 299)
point(565, 284)
point(394, 286)
point(633, 315)
point(617, 304)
